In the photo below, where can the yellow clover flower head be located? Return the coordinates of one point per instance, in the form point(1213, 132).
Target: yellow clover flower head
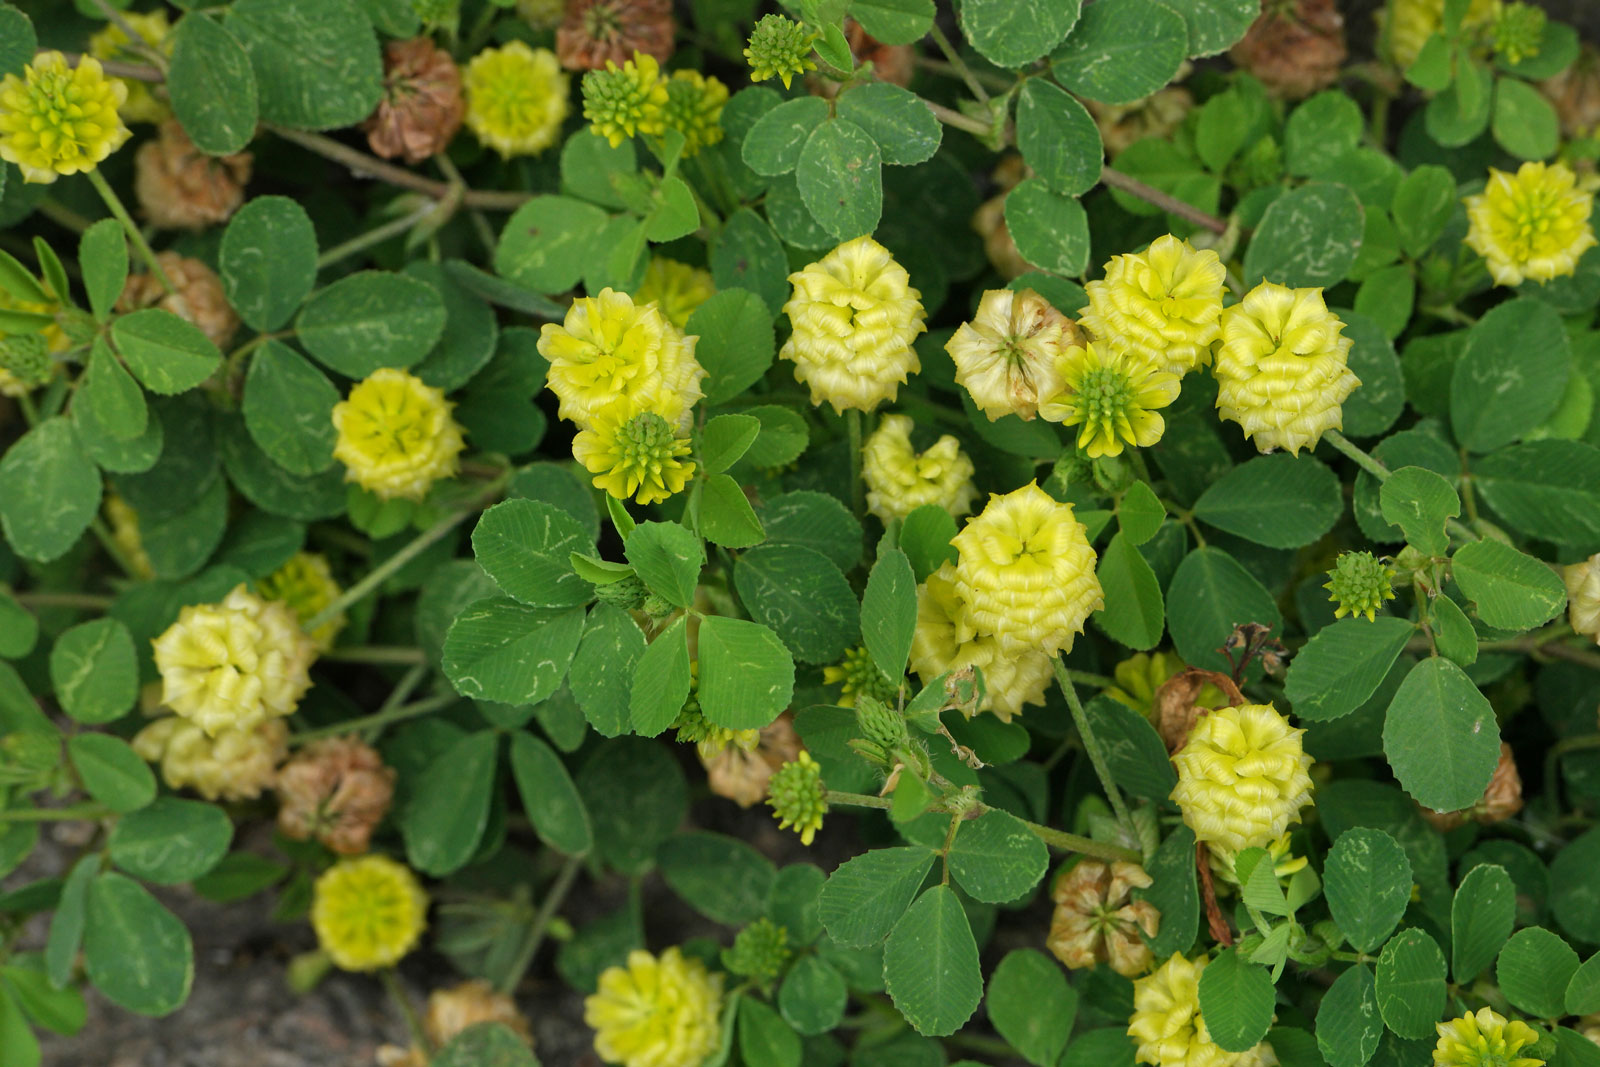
point(854, 315)
point(234, 664)
point(1243, 777)
point(368, 912)
point(1282, 369)
point(124, 529)
point(779, 47)
point(798, 797)
point(858, 675)
point(610, 352)
point(947, 640)
point(1485, 1039)
point(1168, 1026)
point(516, 98)
point(676, 288)
point(1112, 397)
point(620, 102)
point(306, 584)
point(1006, 356)
point(57, 119)
point(1408, 24)
point(233, 765)
point(694, 108)
point(900, 479)
point(1583, 596)
point(1139, 676)
point(1160, 305)
point(396, 436)
point(637, 457)
point(658, 1011)
point(1532, 225)
point(1025, 572)
point(112, 42)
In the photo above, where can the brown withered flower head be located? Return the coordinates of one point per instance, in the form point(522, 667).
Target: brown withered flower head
point(1575, 94)
point(422, 104)
point(180, 187)
point(197, 296)
point(1295, 47)
point(1502, 798)
point(1157, 115)
point(741, 773)
point(597, 31)
point(1096, 922)
point(450, 1011)
point(337, 791)
point(891, 63)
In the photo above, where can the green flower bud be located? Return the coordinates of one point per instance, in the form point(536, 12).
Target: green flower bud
point(27, 357)
point(780, 47)
point(759, 952)
point(35, 752)
point(627, 594)
point(1359, 584)
point(880, 724)
point(798, 797)
point(1519, 31)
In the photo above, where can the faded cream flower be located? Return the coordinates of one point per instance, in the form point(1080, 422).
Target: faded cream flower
point(1283, 367)
point(1006, 356)
point(396, 436)
point(1096, 920)
point(452, 1010)
point(854, 315)
point(234, 664)
point(179, 187)
point(656, 1012)
point(1243, 777)
point(900, 479)
point(516, 98)
point(740, 764)
point(1112, 397)
point(1161, 305)
point(336, 790)
point(1532, 225)
point(1583, 596)
point(232, 765)
point(1168, 1026)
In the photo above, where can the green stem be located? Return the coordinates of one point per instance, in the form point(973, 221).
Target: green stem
point(109, 195)
point(375, 236)
point(480, 225)
point(1091, 745)
point(83, 601)
point(75, 813)
point(391, 984)
point(375, 720)
point(376, 654)
point(553, 898)
point(852, 420)
point(63, 216)
point(959, 64)
point(1055, 838)
point(361, 164)
point(1343, 444)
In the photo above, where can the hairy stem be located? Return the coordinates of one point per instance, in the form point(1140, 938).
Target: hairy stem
point(553, 898)
point(1091, 745)
point(1054, 838)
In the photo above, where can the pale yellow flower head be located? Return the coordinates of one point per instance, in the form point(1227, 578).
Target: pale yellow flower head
point(1112, 397)
point(1160, 305)
point(1243, 777)
point(1006, 356)
point(1583, 596)
point(396, 436)
point(1026, 572)
point(1486, 1039)
point(620, 102)
point(111, 42)
point(1282, 369)
point(1168, 1026)
point(1408, 24)
point(946, 640)
point(233, 765)
point(900, 479)
point(124, 530)
point(306, 584)
point(676, 288)
point(57, 119)
point(854, 315)
point(636, 457)
point(694, 108)
point(612, 353)
point(234, 664)
point(656, 1012)
point(516, 98)
point(1139, 676)
point(1532, 225)
point(368, 912)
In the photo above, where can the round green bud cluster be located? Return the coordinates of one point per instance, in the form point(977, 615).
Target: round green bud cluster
point(779, 47)
point(628, 593)
point(27, 357)
point(1359, 584)
point(657, 606)
point(759, 952)
point(1518, 31)
point(798, 797)
point(880, 724)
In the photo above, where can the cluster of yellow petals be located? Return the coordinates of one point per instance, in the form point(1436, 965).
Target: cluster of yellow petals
point(1112, 397)
point(234, 664)
point(658, 1011)
point(855, 316)
point(1243, 777)
point(636, 456)
point(1005, 357)
point(1160, 306)
point(516, 98)
point(900, 479)
point(1021, 588)
point(396, 436)
point(306, 584)
point(1169, 1029)
point(1485, 1039)
point(1583, 596)
point(1532, 225)
point(368, 912)
point(1407, 25)
point(112, 42)
point(233, 765)
point(676, 288)
point(1283, 369)
point(626, 101)
point(58, 119)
